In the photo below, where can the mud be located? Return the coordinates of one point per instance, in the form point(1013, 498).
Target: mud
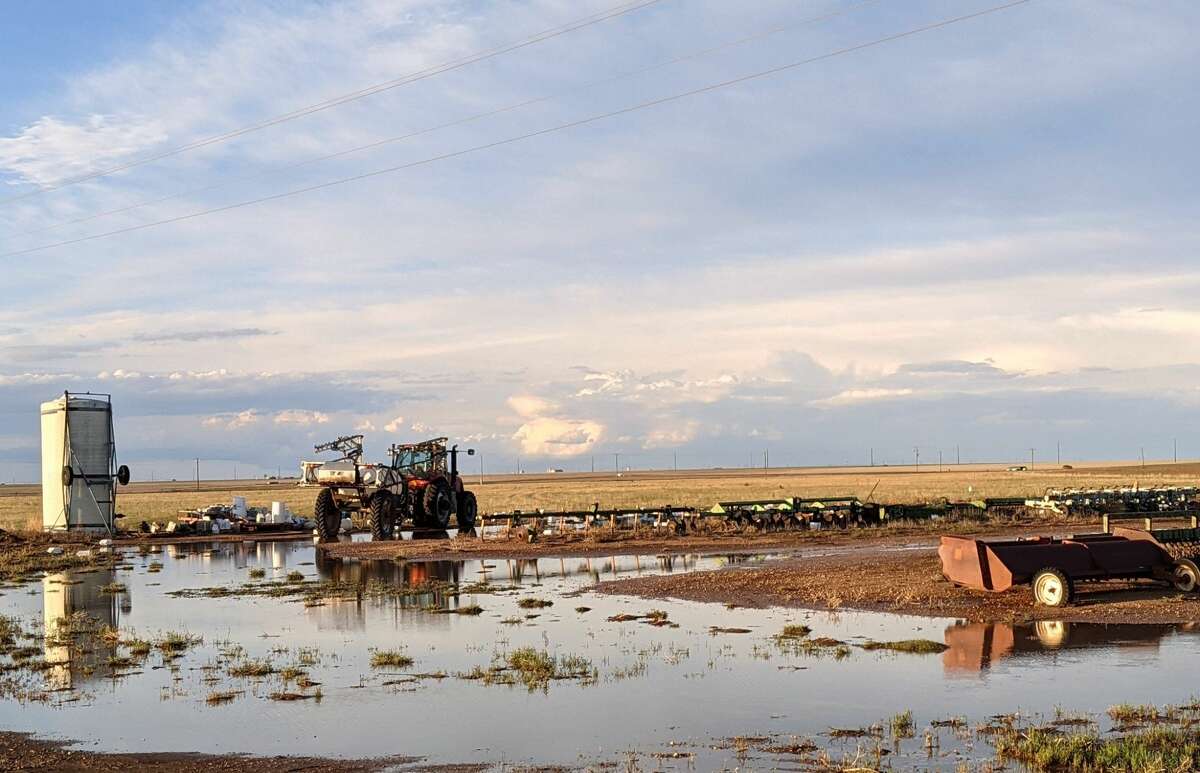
point(876, 578)
point(648, 542)
point(22, 752)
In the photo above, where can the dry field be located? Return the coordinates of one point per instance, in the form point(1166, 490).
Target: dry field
point(20, 505)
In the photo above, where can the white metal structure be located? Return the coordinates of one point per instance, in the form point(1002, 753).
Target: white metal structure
point(79, 473)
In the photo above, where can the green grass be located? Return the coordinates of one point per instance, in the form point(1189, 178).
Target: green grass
point(251, 668)
point(1154, 749)
point(795, 632)
point(258, 574)
point(390, 659)
point(912, 646)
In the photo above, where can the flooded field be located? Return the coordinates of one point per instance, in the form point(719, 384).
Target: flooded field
point(270, 648)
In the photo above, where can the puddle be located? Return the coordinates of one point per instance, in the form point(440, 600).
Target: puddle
point(669, 683)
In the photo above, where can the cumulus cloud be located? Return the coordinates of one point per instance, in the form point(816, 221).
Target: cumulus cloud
point(546, 436)
point(395, 425)
point(239, 420)
point(300, 417)
point(528, 405)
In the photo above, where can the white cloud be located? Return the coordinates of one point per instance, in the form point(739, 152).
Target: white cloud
point(528, 406)
point(51, 149)
point(395, 425)
point(366, 425)
point(300, 417)
point(851, 396)
point(547, 436)
point(236, 421)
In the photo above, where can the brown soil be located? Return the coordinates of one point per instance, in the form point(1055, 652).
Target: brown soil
point(21, 752)
point(907, 582)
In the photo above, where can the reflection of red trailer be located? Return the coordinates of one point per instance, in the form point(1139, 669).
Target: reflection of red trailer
point(1053, 566)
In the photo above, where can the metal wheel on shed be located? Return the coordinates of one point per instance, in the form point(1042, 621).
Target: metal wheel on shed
point(383, 516)
point(1185, 575)
point(327, 516)
point(1052, 587)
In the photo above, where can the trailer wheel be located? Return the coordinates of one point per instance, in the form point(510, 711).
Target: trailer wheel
point(325, 513)
point(468, 509)
point(1185, 575)
point(383, 517)
point(439, 505)
point(1052, 587)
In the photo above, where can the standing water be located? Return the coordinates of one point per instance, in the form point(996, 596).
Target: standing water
point(517, 661)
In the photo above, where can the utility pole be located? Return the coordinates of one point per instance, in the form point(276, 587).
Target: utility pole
point(481, 469)
point(617, 463)
point(957, 456)
point(1175, 449)
point(197, 473)
point(939, 460)
point(766, 458)
point(917, 458)
point(872, 457)
point(593, 462)
point(1058, 452)
point(1143, 456)
point(1031, 458)
point(518, 465)
point(675, 460)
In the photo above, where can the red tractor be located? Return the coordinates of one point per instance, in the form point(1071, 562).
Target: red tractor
point(435, 491)
point(416, 485)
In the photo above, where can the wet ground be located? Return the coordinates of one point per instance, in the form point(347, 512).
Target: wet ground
point(663, 689)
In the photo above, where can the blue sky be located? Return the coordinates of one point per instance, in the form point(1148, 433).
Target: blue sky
point(980, 237)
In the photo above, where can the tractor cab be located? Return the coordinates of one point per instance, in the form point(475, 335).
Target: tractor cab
point(422, 460)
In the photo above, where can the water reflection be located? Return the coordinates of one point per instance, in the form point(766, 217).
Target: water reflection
point(975, 647)
point(63, 595)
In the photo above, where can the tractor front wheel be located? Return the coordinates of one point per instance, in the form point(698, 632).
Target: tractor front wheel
point(327, 516)
point(468, 509)
point(383, 517)
point(439, 505)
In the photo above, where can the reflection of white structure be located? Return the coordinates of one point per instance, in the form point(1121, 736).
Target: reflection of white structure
point(79, 473)
point(63, 595)
point(54, 611)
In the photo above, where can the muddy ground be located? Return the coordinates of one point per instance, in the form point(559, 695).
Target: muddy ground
point(22, 752)
point(602, 542)
point(877, 578)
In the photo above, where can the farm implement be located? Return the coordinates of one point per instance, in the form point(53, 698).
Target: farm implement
point(1054, 567)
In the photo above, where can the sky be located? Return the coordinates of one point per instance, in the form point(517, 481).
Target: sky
point(973, 241)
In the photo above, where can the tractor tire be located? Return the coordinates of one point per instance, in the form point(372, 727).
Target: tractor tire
point(439, 505)
point(1052, 587)
point(417, 509)
point(383, 517)
point(1185, 575)
point(468, 510)
point(327, 516)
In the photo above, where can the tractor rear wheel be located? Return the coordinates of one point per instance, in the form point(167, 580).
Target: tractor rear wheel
point(1052, 587)
point(1185, 575)
point(468, 509)
point(383, 516)
point(439, 504)
point(327, 516)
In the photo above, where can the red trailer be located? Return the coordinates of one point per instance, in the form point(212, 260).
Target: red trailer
point(1053, 566)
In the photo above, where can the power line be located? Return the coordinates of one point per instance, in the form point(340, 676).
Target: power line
point(459, 121)
point(528, 135)
point(403, 80)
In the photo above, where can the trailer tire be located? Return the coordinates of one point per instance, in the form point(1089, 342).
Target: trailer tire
point(1052, 587)
point(1185, 575)
point(383, 517)
point(327, 516)
point(439, 505)
point(468, 509)
point(68, 475)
